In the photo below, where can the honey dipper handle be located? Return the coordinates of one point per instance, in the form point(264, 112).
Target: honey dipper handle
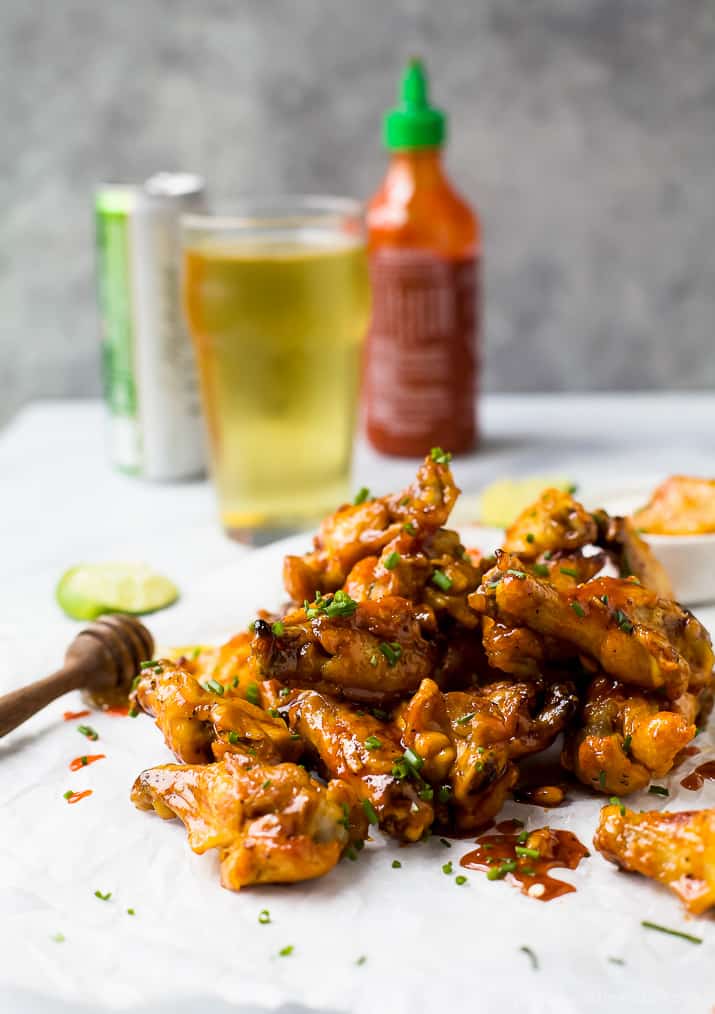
point(19, 705)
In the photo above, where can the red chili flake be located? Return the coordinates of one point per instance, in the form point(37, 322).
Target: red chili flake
point(82, 762)
point(69, 716)
point(74, 797)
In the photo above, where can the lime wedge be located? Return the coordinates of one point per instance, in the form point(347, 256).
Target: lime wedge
point(91, 589)
point(504, 500)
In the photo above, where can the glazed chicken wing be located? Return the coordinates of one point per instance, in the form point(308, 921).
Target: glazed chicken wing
point(676, 849)
point(366, 651)
point(627, 738)
point(365, 753)
point(467, 740)
point(554, 522)
point(631, 554)
point(682, 505)
point(359, 530)
point(272, 823)
point(626, 629)
point(199, 726)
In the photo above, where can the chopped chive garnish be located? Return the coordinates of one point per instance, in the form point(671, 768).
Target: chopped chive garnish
point(548, 554)
point(130, 911)
point(373, 743)
point(615, 801)
point(528, 871)
point(392, 651)
point(410, 528)
point(234, 682)
point(658, 790)
point(383, 716)
point(527, 853)
point(523, 835)
point(520, 574)
point(361, 960)
point(604, 599)
point(602, 779)
point(447, 844)
point(277, 628)
point(460, 880)
point(396, 864)
point(447, 868)
point(441, 580)
point(623, 622)
point(88, 731)
point(569, 571)
point(440, 456)
point(103, 897)
point(531, 956)
point(341, 605)
point(626, 745)
point(252, 694)
point(541, 570)
point(133, 711)
point(284, 952)
point(136, 681)
point(466, 718)
point(362, 495)
point(413, 759)
point(426, 793)
point(148, 664)
point(391, 561)
point(578, 609)
point(59, 938)
point(233, 737)
point(671, 932)
point(267, 784)
point(529, 537)
point(264, 917)
point(67, 794)
point(369, 811)
point(616, 961)
point(215, 687)
point(444, 793)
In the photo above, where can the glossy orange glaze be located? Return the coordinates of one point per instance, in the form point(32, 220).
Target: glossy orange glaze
point(696, 779)
point(70, 716)
point(76, 796)
point(84, 760)
point(531, 873)
point(540, 795)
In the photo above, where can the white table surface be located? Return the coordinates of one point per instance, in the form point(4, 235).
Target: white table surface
point(61, 503)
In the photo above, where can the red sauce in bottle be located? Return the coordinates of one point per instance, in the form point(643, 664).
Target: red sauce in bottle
point(85, 759)
point(424, 245)
point(696, 779)
point(75, 797)
point(70, 716)
point(526, 858)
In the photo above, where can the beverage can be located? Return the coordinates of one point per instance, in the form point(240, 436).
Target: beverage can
point(148, 367)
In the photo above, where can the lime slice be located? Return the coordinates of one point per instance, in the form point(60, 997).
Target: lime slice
point(91, 589)
point(504, 500)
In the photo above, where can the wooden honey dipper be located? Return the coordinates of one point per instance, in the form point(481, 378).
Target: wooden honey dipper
point(103, 659)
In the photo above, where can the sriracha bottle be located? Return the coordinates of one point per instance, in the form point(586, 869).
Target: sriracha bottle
point(424, 245)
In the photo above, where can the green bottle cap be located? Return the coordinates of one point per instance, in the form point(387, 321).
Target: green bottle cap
point(414, 123)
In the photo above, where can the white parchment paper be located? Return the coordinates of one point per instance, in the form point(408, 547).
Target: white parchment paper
point(428, 944)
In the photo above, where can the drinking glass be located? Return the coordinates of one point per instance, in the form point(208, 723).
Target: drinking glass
point(276, 296)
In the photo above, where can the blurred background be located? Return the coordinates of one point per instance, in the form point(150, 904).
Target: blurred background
point(582, 130)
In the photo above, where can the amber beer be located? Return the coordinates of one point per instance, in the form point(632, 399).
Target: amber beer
point(278, 304)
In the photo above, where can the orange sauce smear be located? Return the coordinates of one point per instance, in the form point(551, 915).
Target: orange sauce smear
point(560, 850)
point(76, 796)
point(696, 779)
point(70, 716)
point(121, 711)
point(85, 759)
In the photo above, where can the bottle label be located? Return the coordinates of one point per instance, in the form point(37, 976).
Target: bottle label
point(422, 361)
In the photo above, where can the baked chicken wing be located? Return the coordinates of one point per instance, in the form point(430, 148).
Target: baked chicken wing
point(627, 737)
point(629, 631)
point(272, 823)
point(359, 530)
point(676, 849)
point(366, 754)
point(200, 726)
point(366, 651)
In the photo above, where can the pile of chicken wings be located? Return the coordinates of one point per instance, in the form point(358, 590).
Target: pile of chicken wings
point(409, 676)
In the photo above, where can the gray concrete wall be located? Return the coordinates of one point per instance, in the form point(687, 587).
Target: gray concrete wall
point(584, 131)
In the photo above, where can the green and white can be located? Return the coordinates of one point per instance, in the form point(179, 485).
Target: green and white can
point(148, 366)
